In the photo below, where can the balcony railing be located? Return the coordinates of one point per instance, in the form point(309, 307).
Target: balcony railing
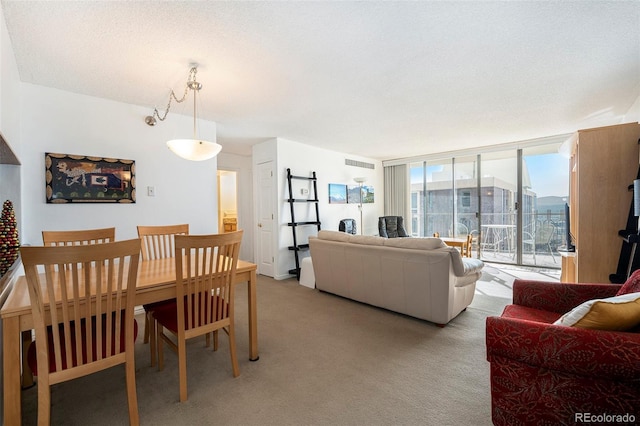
point(543, 235)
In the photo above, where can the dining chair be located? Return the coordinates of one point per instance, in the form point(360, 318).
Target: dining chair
point(157, 243)
point(205, 271)
point(79, 237)
point(93, 326)
point(466, 249)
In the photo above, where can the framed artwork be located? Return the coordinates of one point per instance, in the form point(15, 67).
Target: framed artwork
point(367, 194)
point(337, 193)
point(85, 179)
point(353, 194)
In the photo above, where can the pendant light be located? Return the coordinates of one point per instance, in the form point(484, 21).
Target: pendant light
point(194, 149)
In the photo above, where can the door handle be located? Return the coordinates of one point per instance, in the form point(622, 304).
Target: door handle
point(259, 225)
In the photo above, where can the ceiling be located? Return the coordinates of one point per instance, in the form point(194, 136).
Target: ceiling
point(381, 79)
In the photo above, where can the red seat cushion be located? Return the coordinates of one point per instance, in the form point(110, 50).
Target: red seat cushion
point(32, 357)
point(151, 306)
point(530, 314)
point(167, 314)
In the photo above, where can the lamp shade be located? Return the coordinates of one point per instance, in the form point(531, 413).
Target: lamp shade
point(194, 149)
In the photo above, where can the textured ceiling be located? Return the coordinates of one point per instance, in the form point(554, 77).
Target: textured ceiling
point(380, 79)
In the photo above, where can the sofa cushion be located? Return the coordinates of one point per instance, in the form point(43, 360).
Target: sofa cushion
point(614, 313)
point(370, 240)
point(334, 236)
point(427, 243)
point(632, 285)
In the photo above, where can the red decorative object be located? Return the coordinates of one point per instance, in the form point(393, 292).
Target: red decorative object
point(9, 242)
point(549, 374)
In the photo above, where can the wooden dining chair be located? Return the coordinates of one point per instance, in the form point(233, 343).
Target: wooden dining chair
point(205, 272)
point(157, 243)
point(79, 237)
point(93, 327)
point(466, 249)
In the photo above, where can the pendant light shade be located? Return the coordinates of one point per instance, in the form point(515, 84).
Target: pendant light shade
point(194, 149)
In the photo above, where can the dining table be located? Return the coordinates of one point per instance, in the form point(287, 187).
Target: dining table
point(459, 243)
point(156, 282)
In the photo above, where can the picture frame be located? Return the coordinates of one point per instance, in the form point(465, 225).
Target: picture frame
point(367, 194)
point(354, 194)
point(87, 179)
point(337, 193)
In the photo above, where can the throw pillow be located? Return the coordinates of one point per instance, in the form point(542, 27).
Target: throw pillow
point(632, 285)
point(617, 313)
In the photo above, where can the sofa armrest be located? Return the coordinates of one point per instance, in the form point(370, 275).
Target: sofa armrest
point(463, 266)
point(593, 353)
point(558, 297)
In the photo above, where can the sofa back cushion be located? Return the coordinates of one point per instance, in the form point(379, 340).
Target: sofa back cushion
point(427, 243)
point(334, 236)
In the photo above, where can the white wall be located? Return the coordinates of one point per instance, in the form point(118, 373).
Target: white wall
point(63, 122)
point(330, 168)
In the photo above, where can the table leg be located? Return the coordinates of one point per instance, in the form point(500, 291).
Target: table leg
point(11, 371)
point(253, 317)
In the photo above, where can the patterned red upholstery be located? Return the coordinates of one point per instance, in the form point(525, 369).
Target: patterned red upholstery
point(544, 374)
point(632, 285)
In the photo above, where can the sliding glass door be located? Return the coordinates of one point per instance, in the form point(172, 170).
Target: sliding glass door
point(511, 202)
point(498, 206)
point(546, 187)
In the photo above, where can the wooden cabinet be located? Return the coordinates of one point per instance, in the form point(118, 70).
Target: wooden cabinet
point(604, 162)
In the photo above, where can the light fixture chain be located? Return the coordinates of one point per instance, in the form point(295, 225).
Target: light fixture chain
point(191, 81)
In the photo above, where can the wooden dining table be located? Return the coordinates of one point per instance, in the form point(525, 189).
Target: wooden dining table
point(156, 282)
point(459, 243)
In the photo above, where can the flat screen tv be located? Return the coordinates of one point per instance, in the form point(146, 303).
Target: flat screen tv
point(567, 222)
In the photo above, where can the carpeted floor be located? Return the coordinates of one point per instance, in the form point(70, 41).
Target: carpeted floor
point(324, 360)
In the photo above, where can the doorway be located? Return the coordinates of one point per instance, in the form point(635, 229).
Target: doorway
point(227, 201)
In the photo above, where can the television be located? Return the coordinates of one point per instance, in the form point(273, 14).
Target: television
point(567, 221)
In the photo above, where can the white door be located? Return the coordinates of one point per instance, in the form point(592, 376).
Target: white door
point(265, 219)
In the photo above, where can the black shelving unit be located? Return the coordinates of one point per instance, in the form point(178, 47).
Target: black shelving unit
point(294, 224)
point(629, 259)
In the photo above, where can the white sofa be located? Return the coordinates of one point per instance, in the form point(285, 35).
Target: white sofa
point(420, 277)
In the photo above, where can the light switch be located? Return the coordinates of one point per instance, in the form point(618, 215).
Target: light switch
point(151, 191)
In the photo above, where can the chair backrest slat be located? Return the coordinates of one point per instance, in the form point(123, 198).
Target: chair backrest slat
point(79, 237)
point(206, 267)
point(158, 242)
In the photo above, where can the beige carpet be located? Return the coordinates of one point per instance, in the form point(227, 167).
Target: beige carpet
point(324, 360)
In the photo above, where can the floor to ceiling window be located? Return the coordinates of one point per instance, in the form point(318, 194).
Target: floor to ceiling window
point(432, 188)
point(498, 206)
point(510, 201)
point(543, 218)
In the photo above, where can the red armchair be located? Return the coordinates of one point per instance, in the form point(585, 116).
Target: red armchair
point(544, 374)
